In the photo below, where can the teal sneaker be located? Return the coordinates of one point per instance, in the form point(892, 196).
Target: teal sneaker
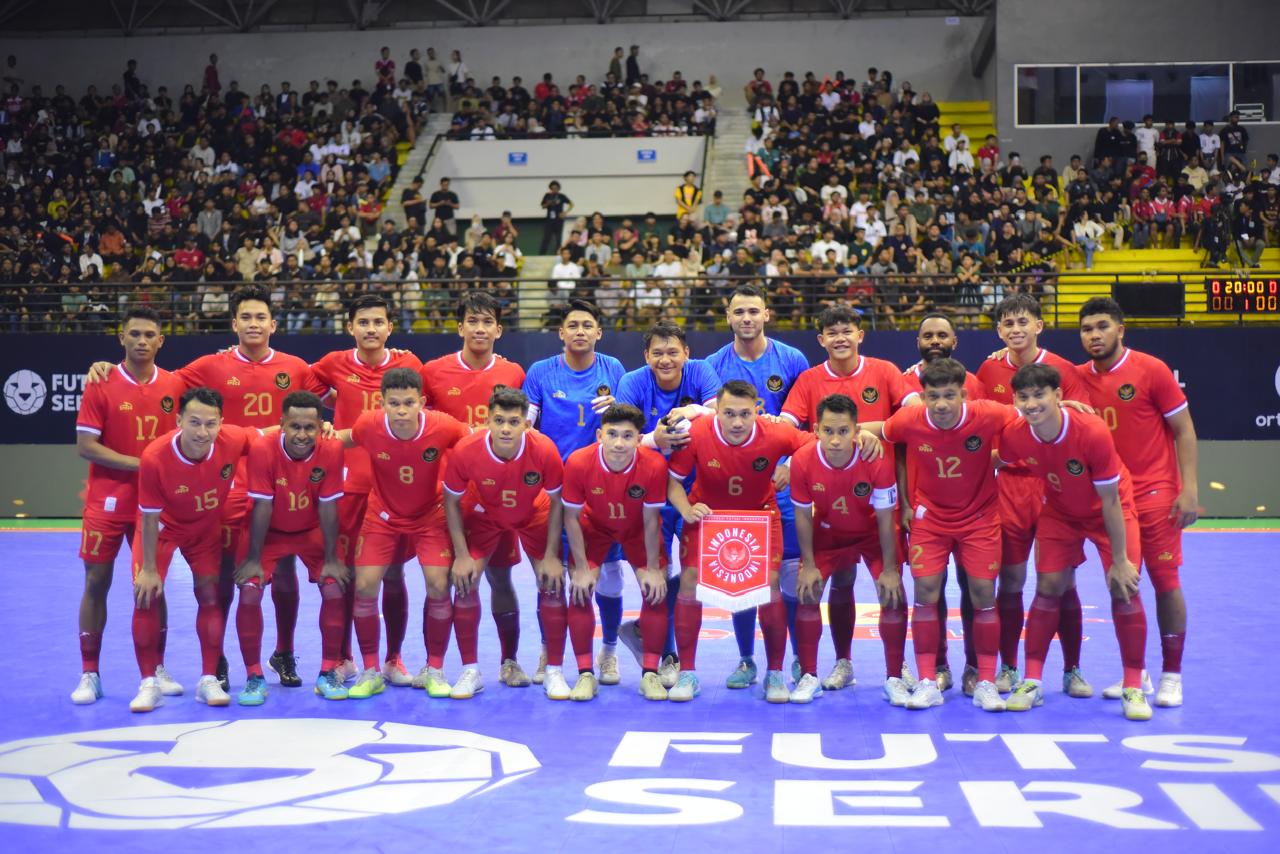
point(775, 687)
point(329, 685)
point(686, 687)
point(744, 676)
point(254, 693)
point(796, 672)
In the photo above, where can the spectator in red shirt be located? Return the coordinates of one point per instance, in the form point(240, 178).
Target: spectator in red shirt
point(385, 66)
point(990, 151)
point(757, 87)
point(1143, 216)
point(189, 257)
point(543, 90)
point(211, 83)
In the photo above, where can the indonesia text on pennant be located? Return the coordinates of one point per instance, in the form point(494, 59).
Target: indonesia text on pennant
point(733, 559)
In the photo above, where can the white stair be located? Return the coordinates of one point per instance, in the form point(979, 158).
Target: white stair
point(415, 164)
point(534, 296)
point(727, 171)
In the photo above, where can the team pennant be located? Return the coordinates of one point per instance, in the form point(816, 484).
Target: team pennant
point(733, 559)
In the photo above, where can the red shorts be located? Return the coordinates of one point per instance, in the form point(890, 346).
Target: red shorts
point(835, 551)
point(351, 507)
point(1161, 538)
point(499, 543)
point(1021, 500)
point(689, 543)
point(307, 545)
point(1060, 542)
point(599, 543)
point(102, 533)
point(381, 544)
point(975, 544)
point(202, 552)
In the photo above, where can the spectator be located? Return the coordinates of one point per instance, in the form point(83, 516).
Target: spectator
point(1248, 232)
point(443, 204)
point(565, 274)
point(1235, 143)
point(688, 196)
point(555, 204)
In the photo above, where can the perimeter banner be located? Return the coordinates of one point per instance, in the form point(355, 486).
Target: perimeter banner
point(733, 559)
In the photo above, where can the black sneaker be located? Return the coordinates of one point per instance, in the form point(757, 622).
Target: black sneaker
point(285, 665)
point(221, 673)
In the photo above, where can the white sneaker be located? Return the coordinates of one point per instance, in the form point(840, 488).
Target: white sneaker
point(926, 695)
point(841, 676)
point(468, 685)
point(394, 671)
point(1026, 696)
point(1116, 691)
point(1135, 706)
point(168, 685)
point(420, 680)
point(209, 691)
point(629, 636)
point(686, 687)
point(541, 672)
point(987, 697)
point(607, 664)
point(1075, 685)
point(148, 697)
point(806, 689)
point(347, 670)
point(909, 678)
point(89, 690)
point(896, 691)
point(669, 672)
point(1169, 694)
point(554, 684)
point(775, 687)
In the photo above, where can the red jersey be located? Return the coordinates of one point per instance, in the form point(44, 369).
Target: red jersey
point(1135, 398)
point(251, 391)
point(843, 499)
point(188, 494)
point(972, 385)
point(357, 389)
point(406, 472)
point(735, 477)
point(452, 387)
point(510, 491)
point(996, 376)
point(612, 501)
point(952, 477)
point(1081, 457)
point(126, 416)
point(295, 487)
point(876, 386)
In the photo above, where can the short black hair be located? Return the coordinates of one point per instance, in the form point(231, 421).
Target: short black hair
point(936, 315)
point(401, 379)
point(582, 305)
point(1015, 303)
point(1102, 305)
point(478, 302)
point(141, 312)
point(251, 293)
point(200, 394)
point(840, 404)
point(301, 400)
point(508, 398)
point(942, 372)
point(747, 289)
point(665, 329)
point(737, 388)
point(1036, 376)
point(623, 413)
point(837, 314)
point(364, 301)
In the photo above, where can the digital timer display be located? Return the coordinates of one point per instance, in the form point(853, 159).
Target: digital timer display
point(1242, 296)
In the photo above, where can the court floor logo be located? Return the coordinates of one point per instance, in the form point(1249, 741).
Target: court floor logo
point(248, 773)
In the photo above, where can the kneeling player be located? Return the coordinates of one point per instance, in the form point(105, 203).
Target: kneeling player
point(845, 511)
point(614, 492)
point(1088, 495)
point(515, 474)
point(295, 480)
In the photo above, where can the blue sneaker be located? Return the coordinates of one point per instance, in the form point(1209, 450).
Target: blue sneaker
point(744, 676)
point(329, 685)
point(254, 693)
point(796, 671)
point(775, 687)
point(685, 689)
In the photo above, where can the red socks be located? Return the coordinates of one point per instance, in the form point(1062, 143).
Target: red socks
point(554, 617)
point(893, 635)
point(286, 602)
point(653, 633)
point(1042, 622)
point(688, 627)
point(1010, 605)
point(1131, 631)
point(90, 650)
point(582, 631)
point(773, 624)
point(368, 630)
point(1070, 629)
point(840, 611)
point(986, 641)
point(211, 627)
point(395, 612)
point(146, 638)
point(508, 623)
point(333, 624)
point(808, 633)
point(924, 637)
point(1171, 652)
point(249, 628)
point(437, 626)
point(466, 626)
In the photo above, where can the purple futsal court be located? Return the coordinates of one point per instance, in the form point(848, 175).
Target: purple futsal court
point(511, 770)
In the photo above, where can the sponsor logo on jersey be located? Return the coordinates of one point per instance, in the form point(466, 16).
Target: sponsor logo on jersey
point(636, 491)
point(818, 487)
point(430, 455)
point(926, 448)
point(870, 395)
point(862, 489)
point(1031, 461)
point(488, 481)
point(760, 463)
point(602, 390)
point(383, 455)
point(774, 383)
point(317, 474)
point(559, 394)
point(653, 412)
point(126, 406)
point(282, 481)
point(713, 464)
point(454, 392)
point(532, 478)
point(353, 378)
point(1165, 556)
point(166, 404)
point(1075, 467)
point(282, 380)
point(1126, 391)
point(233, 381)
point(999, 388)
point(973, 443)
point(181, 490)
point(225, 474)
point(595, 490)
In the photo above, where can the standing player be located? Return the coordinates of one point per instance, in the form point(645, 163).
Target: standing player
point(1140, 400)
point(117, 420)
point(772, 367)
point(1088, 495)
point(460, 384)
point(406, 447)
point(845, 511)
point(879, 389)
point(516, 474)
point(567, 393)
point(614, 492)
point(949, 442)
point(662, 390)
point(295, 481)
point(1019, 325)
point(184, 477)
point(733, 456)
point(354, 379)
